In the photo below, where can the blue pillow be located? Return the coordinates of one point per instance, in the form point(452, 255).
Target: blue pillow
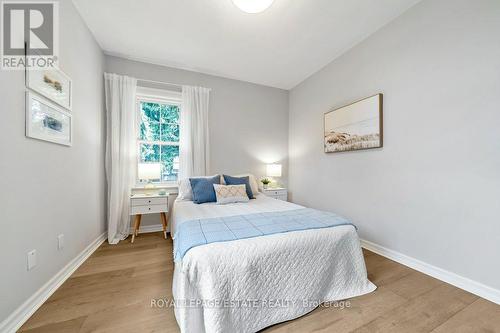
point(240, 181)
point(203, 189)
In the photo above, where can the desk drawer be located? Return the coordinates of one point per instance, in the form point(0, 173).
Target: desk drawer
point(149, 201)
point(148, 209)
point(273, 193)
point(283, 197)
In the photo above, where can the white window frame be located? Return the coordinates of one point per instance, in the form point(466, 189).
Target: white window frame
point(153, 95)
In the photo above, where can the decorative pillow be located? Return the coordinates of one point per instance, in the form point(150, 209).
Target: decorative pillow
point(203, 190)
point(254, 184)
point(185, 192)
point(230, 193)
point(229, 180)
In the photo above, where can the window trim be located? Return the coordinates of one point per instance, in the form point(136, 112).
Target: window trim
point(153, 95)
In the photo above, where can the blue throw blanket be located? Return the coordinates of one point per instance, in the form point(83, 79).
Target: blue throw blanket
point(222, 229)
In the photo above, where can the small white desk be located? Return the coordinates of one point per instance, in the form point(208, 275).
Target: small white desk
point(148, 204)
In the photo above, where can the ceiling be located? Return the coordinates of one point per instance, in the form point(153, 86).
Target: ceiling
point(279, 47)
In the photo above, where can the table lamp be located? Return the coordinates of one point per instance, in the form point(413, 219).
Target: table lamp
point(273, 170)
point(149, 172)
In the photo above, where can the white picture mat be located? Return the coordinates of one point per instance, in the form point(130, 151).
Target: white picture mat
point(360, 118)
point(46, 121)
point(35, 81)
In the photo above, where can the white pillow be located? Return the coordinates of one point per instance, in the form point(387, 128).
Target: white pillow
point(253, 182)
point(185, 191)
point(230, 193)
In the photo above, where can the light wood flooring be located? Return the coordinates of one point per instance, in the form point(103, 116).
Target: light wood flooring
point(112, 292)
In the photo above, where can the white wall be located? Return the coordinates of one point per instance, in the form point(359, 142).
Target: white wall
point(248, 122)
point(433, 191)
point(48, 189)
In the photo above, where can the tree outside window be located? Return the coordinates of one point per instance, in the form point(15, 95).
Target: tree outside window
point(159, 137)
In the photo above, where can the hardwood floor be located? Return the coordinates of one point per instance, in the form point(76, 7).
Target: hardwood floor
point(112, 292)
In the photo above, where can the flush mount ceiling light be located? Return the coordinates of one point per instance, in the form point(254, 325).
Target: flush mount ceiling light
point(253, 6)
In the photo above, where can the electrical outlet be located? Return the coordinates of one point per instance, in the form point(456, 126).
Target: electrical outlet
point(31, 259)
point(60, 242)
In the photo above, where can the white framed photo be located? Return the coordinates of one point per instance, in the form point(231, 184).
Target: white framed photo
point(53, 84)
point(47, 121)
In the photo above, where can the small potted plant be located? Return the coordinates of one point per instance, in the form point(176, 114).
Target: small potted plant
point(265, 182)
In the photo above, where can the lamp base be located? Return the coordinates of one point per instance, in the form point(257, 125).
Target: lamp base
point(150, 185)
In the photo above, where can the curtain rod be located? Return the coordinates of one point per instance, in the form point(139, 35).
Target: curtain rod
point(161, 82)
point(165, 83)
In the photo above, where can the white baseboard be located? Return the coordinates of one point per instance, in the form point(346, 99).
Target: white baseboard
point(456, 280)
point(26, 310)
point(148, 228)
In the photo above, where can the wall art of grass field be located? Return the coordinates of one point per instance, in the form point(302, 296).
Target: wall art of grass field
point(344, 141)
point(353, 127)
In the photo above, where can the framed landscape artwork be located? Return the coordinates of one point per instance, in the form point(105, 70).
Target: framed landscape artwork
point(355, 126)
point(47, 121)
point(51, 83)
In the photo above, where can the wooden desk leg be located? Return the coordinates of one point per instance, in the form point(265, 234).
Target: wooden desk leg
point(164, 222)
point(137, 224)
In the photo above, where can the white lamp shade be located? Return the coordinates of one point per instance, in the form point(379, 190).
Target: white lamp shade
point(149, 171)
point(273, 170)
point(253, 6)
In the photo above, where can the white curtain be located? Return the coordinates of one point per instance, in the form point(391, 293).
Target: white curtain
point(193, 127)
point(120, 151)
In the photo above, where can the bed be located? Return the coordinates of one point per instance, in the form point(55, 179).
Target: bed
point(246, 285)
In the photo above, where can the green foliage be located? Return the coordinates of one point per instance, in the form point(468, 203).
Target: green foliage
point(160, 126)
point(150, 153)
point(265, 181)
point(159, 122)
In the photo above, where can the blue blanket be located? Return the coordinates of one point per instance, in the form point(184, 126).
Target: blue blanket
point(222, 229)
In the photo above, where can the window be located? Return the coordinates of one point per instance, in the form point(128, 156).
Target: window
point(159, 134)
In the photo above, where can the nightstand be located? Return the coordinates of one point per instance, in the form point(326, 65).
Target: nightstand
point(141, 204)
point(276, 193)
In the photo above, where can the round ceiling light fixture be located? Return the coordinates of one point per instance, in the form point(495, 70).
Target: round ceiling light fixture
point(253, 6)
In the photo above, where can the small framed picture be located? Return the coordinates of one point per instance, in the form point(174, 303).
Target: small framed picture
point(53, 84)
point(47, 121)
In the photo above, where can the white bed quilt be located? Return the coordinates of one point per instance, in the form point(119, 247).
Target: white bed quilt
point(249, 284)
